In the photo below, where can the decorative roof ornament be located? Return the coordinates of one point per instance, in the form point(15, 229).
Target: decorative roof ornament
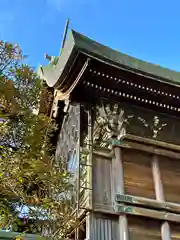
point(47, 57)
point(52, 59)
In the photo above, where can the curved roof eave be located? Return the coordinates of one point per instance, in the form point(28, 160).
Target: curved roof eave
point(54, 74)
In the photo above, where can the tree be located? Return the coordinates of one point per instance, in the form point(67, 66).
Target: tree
point(29, 174)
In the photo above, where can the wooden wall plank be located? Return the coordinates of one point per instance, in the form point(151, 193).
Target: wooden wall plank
point(138, 174)
point(175, 231)
point(105, 227)
point(150, 149)
point(102, 181)
point(170, 172)
point(141, 228)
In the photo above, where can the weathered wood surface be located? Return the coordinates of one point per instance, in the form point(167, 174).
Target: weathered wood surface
point(141, 228)
point(138, 174)
point(101, 227)
point(135, 162)
point(175, 231)
point(104, 153)
point(143, 124)
point(69, 135)
point(118, 186)
point(151, 177)
point(165, 231)
point(118, 172)
point(136, 121)
point(89, 226)
point(149, 149)
point(158, 185)
point(149, 203)
point(159, 190)
point(152, 142)
point(90, 166)
point(133, 210)
point(102, 181)
point(123, 228)
point(170, 172)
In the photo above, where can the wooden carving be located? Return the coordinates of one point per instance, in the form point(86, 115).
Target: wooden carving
point(115, 120)
point(110, 123)
point(155, 126)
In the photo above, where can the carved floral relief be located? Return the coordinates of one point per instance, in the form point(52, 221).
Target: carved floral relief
point(117, 120)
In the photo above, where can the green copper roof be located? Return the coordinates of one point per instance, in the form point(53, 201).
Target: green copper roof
point(78, 42)
point(117, 58)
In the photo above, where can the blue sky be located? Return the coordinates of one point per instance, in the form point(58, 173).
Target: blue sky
point(149, 30)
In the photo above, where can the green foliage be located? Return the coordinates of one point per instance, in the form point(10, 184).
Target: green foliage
point(29, 175)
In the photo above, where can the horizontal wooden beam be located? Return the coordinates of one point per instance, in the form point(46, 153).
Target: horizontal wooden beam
point(140, 147)
point(102, 153)
point(142, 144)
point(148, 203)
point(153, 142)
point(139, 211)
point(102, 207)
point(149, 149)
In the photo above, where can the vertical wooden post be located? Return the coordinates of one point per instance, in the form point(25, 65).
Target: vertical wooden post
point(159, 191)
point(123, 228)
point(158, 185)
point(89, 227)
point(90, 160)
point(78, 177)
point(118, 173)
point(118, 187)
point(165, 231)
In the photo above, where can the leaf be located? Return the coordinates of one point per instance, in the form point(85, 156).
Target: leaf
point(30, 177)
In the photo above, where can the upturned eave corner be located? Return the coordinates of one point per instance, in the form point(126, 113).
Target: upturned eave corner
point(58, 74)
point(55, 73)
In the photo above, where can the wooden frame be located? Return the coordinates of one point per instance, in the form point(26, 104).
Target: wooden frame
point(148, 203)
point(155, 149)
point(152, 142)
point(118, 185)
point(140, 211)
